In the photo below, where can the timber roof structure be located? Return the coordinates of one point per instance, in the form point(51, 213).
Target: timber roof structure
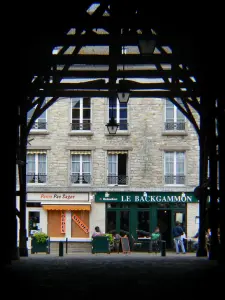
point(94, 48)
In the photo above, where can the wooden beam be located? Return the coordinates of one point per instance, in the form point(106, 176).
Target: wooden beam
point(129, 59)
point(134, 94)
point(102, 40)
point(120, 21)
point(107, 86)
point(118, 74)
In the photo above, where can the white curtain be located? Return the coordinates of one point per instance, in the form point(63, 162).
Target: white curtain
point(112, 164)
point(42, 163)
point(169, 163)
point(180, 163)
point(30, 163)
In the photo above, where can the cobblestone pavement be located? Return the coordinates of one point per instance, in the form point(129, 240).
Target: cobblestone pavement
point(104, 275)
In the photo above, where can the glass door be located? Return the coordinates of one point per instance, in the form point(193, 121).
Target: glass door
point(124, 221)
point(143, 223)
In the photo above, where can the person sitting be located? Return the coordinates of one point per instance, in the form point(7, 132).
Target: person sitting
point(156, 234)
point(117, 238)
point(97, 232)
point(195, 241)
point(155, 238)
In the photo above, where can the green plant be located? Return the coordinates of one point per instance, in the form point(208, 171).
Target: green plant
point(110, 237)
point(40, 237)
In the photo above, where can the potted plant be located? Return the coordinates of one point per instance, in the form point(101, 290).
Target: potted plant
point(40, 242)
point(110, 239)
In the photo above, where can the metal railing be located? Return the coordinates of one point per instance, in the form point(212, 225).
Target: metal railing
point(36, 178)
point(80, 178)
point(118, 180)
point(39, 125)
point(175, 126)
point(171, 179)
point(76, 125)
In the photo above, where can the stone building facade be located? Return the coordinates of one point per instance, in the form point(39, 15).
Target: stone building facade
point(153, 153)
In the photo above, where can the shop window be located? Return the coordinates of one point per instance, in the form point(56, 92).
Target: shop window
point(143, 223)
point(34, 222)
point(125, 221)
point(111, 221)
point(54, 223)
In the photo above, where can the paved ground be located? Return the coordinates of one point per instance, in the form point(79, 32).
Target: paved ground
point(114, 275)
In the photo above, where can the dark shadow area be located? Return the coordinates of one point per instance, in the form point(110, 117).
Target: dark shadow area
point(114, 275)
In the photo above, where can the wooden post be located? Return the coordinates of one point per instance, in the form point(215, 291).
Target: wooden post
point(22, 178)
point(221, 160)
point(201, 251)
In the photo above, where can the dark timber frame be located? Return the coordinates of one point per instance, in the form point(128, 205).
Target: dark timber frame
point(41, 73)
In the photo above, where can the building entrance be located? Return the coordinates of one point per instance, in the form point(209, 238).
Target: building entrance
point(140, 220)
point(164, 223)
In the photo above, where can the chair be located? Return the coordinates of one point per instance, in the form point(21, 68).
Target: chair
point(156, 245)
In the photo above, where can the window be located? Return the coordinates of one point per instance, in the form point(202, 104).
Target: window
point(34, 222)
point(81, 114)
point(81, 167)
point(175, 119)
point(174, 168)
point(41, 122)
point(119, 112)
point(117, 167)
point(36, 167)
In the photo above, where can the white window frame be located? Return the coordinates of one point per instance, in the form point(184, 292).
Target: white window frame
point(175, 173)
point(117, 116)
point(175, 116)
point(81, 119)
point(39, 119)
point(36, 173)
point(116, 169)
point(81, 172)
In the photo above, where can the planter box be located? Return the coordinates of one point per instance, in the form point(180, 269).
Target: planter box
point(100, 244)
point(39, 247)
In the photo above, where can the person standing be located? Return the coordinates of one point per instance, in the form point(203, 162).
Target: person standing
point(177, 233)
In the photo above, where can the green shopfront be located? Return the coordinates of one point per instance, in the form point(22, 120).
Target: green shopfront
point(143, 211)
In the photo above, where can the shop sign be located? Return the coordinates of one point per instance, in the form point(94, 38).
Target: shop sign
point(146, 197)
point(57, 196)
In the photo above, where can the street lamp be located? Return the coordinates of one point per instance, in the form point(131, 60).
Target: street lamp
point(146, 44)
point(112, 126)
point(123, 93)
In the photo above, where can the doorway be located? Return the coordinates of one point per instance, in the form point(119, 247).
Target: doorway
point(164, 223)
